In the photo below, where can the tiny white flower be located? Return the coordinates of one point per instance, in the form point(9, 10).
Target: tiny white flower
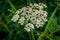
point(15, 18)
point(28, 27)
point(35, 4)
point(44, 5)
point(32, 18)
point(45, 20)
point(31, 4)
point(41, 11)
point(45, 15)
point(23, 14)
point(30, 9)
point(21, 20)
point(27, 17)
point(17, 12)
point(41, 7)
point(37, 25)
point(40, 4)
point(20, 10)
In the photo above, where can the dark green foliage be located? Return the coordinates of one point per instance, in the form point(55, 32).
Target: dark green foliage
point(13, 31)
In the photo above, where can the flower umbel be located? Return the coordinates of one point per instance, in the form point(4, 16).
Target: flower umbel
point(31, 16)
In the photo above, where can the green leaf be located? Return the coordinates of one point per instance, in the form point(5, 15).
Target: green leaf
point(54, 38)
point(53, 25)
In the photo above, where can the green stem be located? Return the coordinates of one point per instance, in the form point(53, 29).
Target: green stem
point(28, 2)
point(11, 5)
point(31, 35)
point(47, 26)
point(38, 0)
point(6, 27)
point(12, 12)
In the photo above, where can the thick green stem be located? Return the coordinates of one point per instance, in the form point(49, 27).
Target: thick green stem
point(47, 26)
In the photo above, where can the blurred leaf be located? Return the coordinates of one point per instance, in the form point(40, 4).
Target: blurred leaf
point(54, 38)
point(53, 25)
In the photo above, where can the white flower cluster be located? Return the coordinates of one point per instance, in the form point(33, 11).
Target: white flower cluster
point(31, 16)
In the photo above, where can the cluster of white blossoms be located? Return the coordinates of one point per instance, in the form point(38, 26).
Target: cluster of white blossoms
point(32, 16)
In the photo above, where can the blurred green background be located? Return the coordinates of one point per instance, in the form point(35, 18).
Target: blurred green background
point(13, 31)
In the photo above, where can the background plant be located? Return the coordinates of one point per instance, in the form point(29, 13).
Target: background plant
point(13, 31)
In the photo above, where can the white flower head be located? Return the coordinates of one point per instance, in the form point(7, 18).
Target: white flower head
point(31, 16)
